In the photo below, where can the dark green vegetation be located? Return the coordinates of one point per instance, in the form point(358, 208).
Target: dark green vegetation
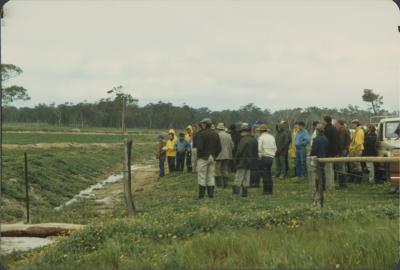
point(358, 228)
point(107, 113)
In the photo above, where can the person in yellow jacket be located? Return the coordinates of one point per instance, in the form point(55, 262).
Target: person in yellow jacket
point(292, 147)
point(356, 148)
point(171, 152)
point(189, 139)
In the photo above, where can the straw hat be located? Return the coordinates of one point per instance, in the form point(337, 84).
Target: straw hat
point(262, 127)
point(221, 126)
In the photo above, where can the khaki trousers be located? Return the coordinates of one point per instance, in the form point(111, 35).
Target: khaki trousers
point(223, 167)
point(205, 171)
point(242, 178)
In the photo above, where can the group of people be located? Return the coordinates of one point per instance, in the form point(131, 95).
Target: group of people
point(215, 152)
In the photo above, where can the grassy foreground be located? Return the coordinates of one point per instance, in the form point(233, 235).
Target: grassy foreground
point(358, 228)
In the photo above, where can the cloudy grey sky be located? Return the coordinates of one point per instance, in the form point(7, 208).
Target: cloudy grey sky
point(220, 54)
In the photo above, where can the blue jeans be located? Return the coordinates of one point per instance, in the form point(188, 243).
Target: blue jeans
point(171, 164)
point(266, 164)
point(301, 163)
point(180, 161)
point(161, 166)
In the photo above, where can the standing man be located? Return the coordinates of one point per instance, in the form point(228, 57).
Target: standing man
point(194, 148)
point(355, 150)
point(255, 174)
point(224, 159)
point(320, 148)
point(301, 142)
point(343, 150)
point(208, 148)
point(292, 148)
point(370, 151)
point(161, 155)
point(266, 151)
point(181, 148)
point(331, 134)
point(246, 155)
point(282, 143)
point(189, 139)
point(171, 153)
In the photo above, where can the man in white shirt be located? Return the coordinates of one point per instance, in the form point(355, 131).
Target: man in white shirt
point(266, 152)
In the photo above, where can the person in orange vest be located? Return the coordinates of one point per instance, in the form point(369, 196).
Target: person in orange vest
point(171, 152)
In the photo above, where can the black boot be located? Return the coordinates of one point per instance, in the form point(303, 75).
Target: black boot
point(202, 191)
point(244, 191)
point(218, 181)
point(210, 191)
point(225, 181)
point(235, 190)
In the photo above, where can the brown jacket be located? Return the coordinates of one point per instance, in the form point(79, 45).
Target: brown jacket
point(161, 154)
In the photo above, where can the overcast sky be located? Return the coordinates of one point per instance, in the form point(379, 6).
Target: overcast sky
point(219, 54)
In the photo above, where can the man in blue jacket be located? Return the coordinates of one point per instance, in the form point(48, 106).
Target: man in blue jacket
point(301, 142)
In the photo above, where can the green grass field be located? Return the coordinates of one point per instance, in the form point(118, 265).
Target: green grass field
point(357, 228)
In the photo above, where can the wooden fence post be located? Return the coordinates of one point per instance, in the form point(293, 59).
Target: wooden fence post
point(329, 176)
point(26, 187)
point(128, 177)
point(313, 177)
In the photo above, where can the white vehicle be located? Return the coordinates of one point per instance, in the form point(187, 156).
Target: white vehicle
point(388, 142)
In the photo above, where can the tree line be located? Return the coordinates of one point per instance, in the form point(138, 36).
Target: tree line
point(106, 112)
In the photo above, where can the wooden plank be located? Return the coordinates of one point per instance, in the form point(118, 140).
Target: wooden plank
point(359, 159)
point(38, 230)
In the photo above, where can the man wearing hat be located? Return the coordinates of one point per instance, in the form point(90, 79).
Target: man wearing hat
point(266, 152)
point(208, 148)
point(223, 164)
point(355, 150)
point(245, 160)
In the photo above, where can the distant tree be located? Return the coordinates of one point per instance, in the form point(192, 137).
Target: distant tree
point(13, 92)
point(375, 100)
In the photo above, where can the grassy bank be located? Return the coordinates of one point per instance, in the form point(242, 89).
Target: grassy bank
point(358, 228)
point(56, 175)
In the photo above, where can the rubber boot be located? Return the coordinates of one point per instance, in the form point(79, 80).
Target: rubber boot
point(244, 191)
point(235, 190)
point(202, 191)
point(218, 181)
point(210, 191)
point(225, 181)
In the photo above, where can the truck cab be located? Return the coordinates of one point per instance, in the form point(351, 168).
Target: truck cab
point(388, 145)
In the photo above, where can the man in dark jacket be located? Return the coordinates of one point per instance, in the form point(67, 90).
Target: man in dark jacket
point(245, 160)
point(370, 151)
point(320, 149)
point(331, 134)
point(344, 139)
point(282, 143)
point(208, 148)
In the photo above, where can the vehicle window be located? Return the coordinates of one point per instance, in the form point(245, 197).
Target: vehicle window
point(392, 130)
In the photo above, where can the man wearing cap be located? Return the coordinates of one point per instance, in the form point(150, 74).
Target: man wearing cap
point(301, 142)
point(355, 150)
point(320, 149)
point(161, 154)
point(266, 152)
point(246, 155)
point(208, 148)
point(223, 164)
